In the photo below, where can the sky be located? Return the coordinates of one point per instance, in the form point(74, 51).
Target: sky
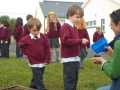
point(20, 8)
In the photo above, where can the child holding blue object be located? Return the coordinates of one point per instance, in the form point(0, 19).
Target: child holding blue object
point(112, 69)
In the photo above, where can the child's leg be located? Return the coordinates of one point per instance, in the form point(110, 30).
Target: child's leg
point(38, 78)
point(17, 50)
point(51, 50)
point(7, 50)
point(82, 63)
point(70, 74)
point(77, 66)
point(57, 54)
point(3, 49)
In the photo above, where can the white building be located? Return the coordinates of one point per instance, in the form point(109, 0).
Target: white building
point(97, 14)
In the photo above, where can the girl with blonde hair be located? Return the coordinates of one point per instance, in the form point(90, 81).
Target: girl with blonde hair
point(97, 36)
point(52, 31)
point(82, 33)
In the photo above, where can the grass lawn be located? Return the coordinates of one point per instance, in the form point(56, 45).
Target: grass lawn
point(19, 73)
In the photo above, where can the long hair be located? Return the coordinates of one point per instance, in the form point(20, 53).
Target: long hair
point(81, 25)
point(48, 21)
point(19, 21)
point(5, 23)
point(99, 30)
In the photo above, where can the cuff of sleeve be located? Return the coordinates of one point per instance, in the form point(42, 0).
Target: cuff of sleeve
point(103, 64)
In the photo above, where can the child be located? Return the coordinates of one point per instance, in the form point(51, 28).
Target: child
point(53, 28)
point(1, 28)
point(37, 48)
point(97, 35)
point(70, 47)
point(82, 33)
point(5, 39)
point(26, 31)
point(18, 35)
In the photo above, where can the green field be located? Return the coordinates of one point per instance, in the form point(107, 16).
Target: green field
point(19, 73)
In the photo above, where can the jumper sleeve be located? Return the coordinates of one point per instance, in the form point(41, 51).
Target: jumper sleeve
point(22, 45)
point(87, 37)
point(112, 69)
point(66, 39)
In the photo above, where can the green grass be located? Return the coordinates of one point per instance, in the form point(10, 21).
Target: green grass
point(19, 73)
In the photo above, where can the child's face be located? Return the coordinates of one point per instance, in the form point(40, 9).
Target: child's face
point(74, 19)
point(115, 28)
point(1, 24)
point(34, 31)
point(52, 17)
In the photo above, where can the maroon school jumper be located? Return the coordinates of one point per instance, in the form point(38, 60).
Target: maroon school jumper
point(18, 33)
point(5, 34)
point(26, 31)
point(96, 36)
point(70, 42)
point(37, 51)
point(52, 32)
point(1, 28)
point(84, 34)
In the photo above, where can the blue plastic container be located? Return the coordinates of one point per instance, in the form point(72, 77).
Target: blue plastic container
point(98, 46)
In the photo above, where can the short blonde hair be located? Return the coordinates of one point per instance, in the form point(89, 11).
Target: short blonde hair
point(34, 22)
point(75, 9)
point(98, 28)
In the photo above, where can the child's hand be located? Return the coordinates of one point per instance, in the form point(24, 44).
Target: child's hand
point(109, 51)
point(6, 41)
point(1, 42)
point(46, 63)
point(97, 60)
point(84, 41)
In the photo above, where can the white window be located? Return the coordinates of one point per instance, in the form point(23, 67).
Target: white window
point(61, 22)
point(91, 23)
point(103, 25)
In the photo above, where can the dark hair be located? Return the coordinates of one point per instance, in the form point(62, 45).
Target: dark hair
point(28, 17)
point(34, 22)
point(19, 21)
point(75, 9)
point(5, 23)
point(115, 16)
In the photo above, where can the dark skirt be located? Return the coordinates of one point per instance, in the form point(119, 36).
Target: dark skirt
point(54, 43)
point(83, 53)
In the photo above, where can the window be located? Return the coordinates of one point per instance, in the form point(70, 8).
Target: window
point(103, 25)
point(61, 22)
point(91, 23)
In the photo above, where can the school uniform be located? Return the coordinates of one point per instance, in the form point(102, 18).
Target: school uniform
point(18, 36)
point(37, 50)
point(5, 37)
point(1, 28)
point(70, 50)
point(53, 36)
point(26, 31)
point(83, 53)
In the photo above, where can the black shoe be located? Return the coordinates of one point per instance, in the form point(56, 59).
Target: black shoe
point(95, 55)
point(98, 55)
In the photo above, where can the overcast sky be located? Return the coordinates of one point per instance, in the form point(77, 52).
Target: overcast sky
point(68, 0)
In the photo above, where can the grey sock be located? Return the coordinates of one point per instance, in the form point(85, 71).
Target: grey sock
point(57, 55)
point(51, 56)
point(82, 63)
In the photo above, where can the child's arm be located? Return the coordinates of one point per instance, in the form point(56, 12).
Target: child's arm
point(22, 45)
point(66, 40)
point(47, 51)
point(87, 37)
point(17, 32)
point(8, 34)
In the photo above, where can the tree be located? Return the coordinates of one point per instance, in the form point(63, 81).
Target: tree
point(5, 17)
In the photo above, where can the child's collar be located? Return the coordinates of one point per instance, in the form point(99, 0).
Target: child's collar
point(69, 22)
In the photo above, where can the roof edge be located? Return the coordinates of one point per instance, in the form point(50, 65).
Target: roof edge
point(85, 3)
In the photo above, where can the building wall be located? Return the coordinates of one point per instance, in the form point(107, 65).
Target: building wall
point(97, 10)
